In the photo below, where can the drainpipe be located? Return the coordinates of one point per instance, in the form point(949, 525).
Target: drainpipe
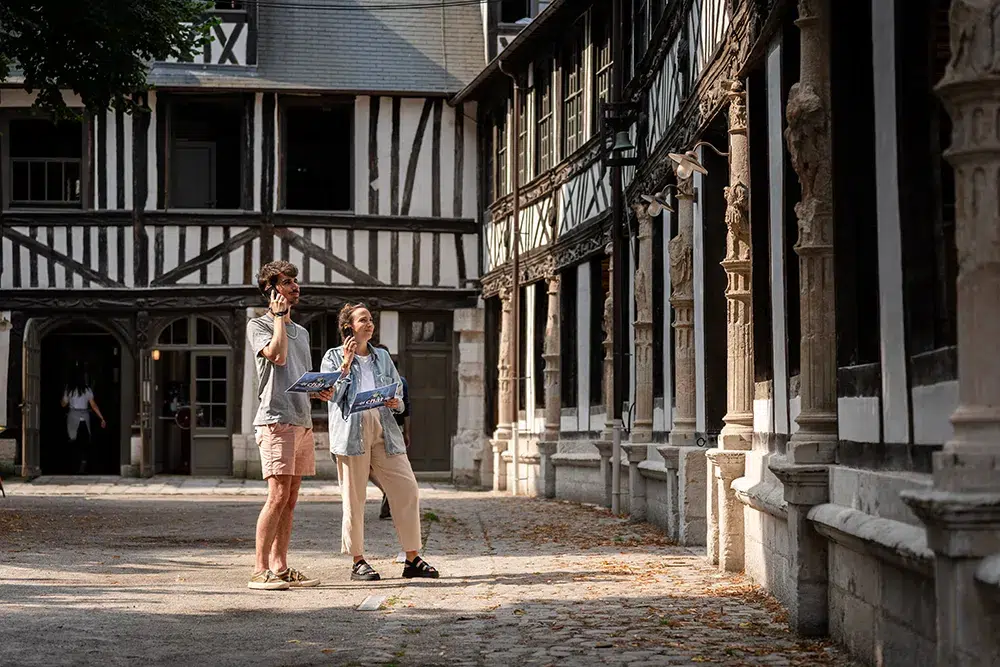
point(618, 270)
point(515, 352)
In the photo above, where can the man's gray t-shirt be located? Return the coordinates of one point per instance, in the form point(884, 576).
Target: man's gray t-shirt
point(278, 406)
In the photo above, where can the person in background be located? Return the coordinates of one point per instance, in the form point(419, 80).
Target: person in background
point(403, 421)
point(79, 398)
point(370, 443)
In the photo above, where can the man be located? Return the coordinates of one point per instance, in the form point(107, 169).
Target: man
point(283, 425)
point(403, 420)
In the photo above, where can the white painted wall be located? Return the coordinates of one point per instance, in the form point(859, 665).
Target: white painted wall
point(776, 185)
point(858, 419)
point(388, 325)
point(151, 149)
point(933, 406)
point(258, 148)
point(895, 394)
point(583, 345)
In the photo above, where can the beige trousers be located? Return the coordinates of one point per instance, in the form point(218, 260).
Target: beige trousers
point(393, 474)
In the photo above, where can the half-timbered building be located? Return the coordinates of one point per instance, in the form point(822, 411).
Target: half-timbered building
point(809, 395)
point(129, 243)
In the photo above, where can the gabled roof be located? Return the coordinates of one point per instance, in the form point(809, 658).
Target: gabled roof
point(319, 44)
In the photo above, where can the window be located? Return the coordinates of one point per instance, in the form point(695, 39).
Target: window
point(523, 173)
point(641, 30)
point(545, 145)
point(229, 5)
point(602, 64)
point(211, 388)
point(176, 333)
point(568, 337)
point(45, 162)
point(523, 372)
point(512, 11)
point(572, 64)
point(600, 282)
point(206, 153)
point(314, 134)
point(500, 131)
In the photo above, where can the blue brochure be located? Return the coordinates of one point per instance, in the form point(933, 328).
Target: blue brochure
point(366, 400)
point(312, 382)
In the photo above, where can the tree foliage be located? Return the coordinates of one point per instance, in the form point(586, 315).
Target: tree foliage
point(100, 49)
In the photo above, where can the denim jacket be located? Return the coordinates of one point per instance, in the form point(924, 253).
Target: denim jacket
point(345, 434)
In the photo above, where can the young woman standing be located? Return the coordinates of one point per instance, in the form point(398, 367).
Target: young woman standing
point(370, 442)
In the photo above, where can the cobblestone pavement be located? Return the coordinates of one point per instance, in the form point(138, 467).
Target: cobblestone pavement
point(161, 580)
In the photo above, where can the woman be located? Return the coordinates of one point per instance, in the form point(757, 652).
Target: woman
point(370, 442)
point(79, 398)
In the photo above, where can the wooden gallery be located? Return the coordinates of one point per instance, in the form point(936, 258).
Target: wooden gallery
point(130, 242)
point(810, 291)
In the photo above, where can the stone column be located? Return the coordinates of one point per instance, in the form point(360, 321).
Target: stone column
point(682, 432)
point(502, 435)
point(604, 444)
point(808, 137)
point(642, 428)
point(549, 443)
point(729, 466)
point(737, 434)
point(472, 461)
point(962, 511)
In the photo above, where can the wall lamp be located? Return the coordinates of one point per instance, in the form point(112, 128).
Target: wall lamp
point(658, 201)
point(688, 162)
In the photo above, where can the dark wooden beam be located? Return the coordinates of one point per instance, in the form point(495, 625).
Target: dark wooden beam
point(48, 253)
point(325, 257)
point(205, 257)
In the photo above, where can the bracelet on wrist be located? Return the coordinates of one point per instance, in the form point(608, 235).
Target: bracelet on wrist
point(280, 313)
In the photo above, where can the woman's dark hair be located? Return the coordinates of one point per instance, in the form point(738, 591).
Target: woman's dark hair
point(345, 317)
point(77, 383)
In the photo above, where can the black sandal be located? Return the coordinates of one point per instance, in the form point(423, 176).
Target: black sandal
point(419, 568)
point(362, 571)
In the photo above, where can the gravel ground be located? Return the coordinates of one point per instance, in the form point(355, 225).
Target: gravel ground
point(161, 580)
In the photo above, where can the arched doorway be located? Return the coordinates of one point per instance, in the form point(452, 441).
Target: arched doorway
point(192, 398)
point(56, 349)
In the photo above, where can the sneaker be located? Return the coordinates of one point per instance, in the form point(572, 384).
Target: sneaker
point(362, 571)
point(267, 581)
point(296, 579)
point(384, 511)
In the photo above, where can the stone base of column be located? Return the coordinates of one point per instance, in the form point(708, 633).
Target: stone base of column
point(637, 453)
point(712, 510)
point(604, 449)
point(804, 488)
point(737, 435)
point(963, 531)
point(729, 466)
point(686, 489)
point(545, 451)
point(499, 464)
point(816, 440)
point(683, 435)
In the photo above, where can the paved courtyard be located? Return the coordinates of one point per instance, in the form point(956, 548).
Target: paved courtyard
point(101, 572)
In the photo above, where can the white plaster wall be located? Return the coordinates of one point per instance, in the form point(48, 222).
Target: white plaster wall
point(583, 344)
point(110, 149)
point(763, 415)
point(895, 394)
point(81, 236)
point(258, 148)
point(933, 406)
point(858, 418)
point(152, 179)
point(4, 365)
point(389, 330)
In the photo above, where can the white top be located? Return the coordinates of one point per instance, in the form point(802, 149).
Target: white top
point(367, 364)
point(78, 401)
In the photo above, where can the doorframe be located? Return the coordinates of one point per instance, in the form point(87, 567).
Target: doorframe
point(31, 460)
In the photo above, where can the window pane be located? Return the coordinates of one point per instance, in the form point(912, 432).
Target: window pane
point(219, 416)
point(20, 189)
point(71, 180)
point(37, 170)
point(219, 368)
point(218, 391)
point(203, 390)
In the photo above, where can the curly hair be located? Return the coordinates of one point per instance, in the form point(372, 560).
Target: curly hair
point(346, 313)
point(268, 274)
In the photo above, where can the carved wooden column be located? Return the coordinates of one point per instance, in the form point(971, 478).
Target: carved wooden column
point(737, 434)
point(682, 431)
point(808, 137)
point(962, 511)
point(502, 435)
point(549, 443)
point(642, 429)
point(604, 444)
point(803, 475)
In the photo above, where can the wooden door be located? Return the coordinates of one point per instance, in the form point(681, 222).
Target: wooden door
point(211, 444)
point(194, 175)
point(31, 407)
point(430, 375)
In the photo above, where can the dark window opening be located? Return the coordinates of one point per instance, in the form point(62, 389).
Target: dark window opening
point(500, 137)
point(545, 150)
point(855, 205)
point(206, 155)
point(512, 11)
point(641, 30)
point(491, 373)
point(601, 33)
point(600, 282)
point(658, 308)
point(627, 39)
point(568, 337)
point(317, 175)
point(46, 162)
point(523, 173)
point(541, 319)
point(793, 193)
point(715, 308)
point(572, 93)
point(523, 371)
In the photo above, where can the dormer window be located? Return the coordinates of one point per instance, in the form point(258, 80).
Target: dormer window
point(512, 11)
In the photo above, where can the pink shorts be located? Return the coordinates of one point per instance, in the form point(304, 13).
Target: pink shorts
point(286, 449)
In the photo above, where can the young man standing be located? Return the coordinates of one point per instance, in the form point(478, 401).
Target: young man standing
point(283, 425)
